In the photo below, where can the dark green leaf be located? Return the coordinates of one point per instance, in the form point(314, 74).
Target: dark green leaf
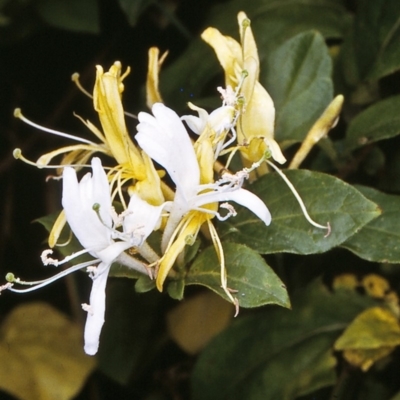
point(377, 37)
point(248, 274)
point(380, 121)
point(176, 289)
point(327, 199)
point(298, 78)
point(128, 332)
point(72, 15)
point(272, 23)
point(133, 9)
point(144, 284)
point(379, 240)
point(278, 353)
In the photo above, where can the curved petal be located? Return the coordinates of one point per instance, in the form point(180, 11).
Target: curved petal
point(78, 200)
point(164, 138)
point(239, 196)
point(95, 316)
point(110, 253)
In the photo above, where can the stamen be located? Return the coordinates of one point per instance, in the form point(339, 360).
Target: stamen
point(18, 114)
point(5, 287)
point(39, 284)
point(92, 271)
point(75, 79)
point(231, 211)
point(300, 201)
point(47, 260)
point(220, 254)
point(55, 262)
point(88, 308)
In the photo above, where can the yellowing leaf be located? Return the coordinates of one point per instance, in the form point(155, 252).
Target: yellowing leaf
point(194, 322)
point(366, 358)
point(371, 336)
point(41, 354)
point(345, 281)
point(376, 286)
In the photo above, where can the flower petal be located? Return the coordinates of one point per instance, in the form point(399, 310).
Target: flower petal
point(78, 200)
point(164, 138)
point(142, 219)
point(95, 316)
point(239, 196)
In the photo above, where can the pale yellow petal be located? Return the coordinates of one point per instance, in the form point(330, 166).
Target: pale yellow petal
point(168, 260)
point(46, 158)
point(152, 92)
point(57, 229)
point(107, 102)
point(228, 51)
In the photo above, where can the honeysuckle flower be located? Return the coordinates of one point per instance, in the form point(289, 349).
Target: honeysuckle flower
point(241, 64)
point(93, 229)
point(115, 140)
point(133, 165)
point(165, 139)
point(91, 217)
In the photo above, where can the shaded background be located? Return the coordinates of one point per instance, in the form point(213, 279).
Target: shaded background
point(40, 48)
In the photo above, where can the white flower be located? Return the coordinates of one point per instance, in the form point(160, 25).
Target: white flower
point(164, 138)
point(88, 209)
point(219, 120)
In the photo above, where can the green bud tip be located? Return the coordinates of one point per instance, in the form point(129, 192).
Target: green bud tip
point(189, 240)
point(96, 207)
point(245, 73)
point(10, 277)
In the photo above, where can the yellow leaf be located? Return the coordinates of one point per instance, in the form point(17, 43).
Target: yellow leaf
point(194, 322)
point(345, 281)
point(375, 286)
point(364, 359)
point(41, 353)
point(371, 336)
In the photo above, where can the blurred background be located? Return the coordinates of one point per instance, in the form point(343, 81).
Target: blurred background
point(42, 43)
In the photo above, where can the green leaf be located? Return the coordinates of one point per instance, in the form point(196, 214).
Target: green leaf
point(72, 15)
point(134, 8)
point(377, 37)
point(176, 289)
point(248, 274)
point(326, 198)
point(128, 333)
point(144, 284)
point(298, 78)
point(380, 121)
point(272, 22)
point(379, 240)
point(278, 353)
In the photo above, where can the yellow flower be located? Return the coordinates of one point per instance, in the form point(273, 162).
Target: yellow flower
point(255, 127)
point(134, 167)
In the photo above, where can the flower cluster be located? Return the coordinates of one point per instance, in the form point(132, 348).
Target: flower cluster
point(197, 188)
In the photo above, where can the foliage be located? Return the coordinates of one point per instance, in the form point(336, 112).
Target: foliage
point(315, 305)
